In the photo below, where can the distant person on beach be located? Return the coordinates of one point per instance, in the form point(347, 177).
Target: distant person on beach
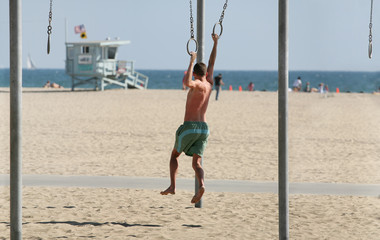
point(321, 88)
point(297, 85)
point(55, 85)
point(47, 84)
point(191, 136)
point(307, 87)
point(52, 85)
point(183, 81)
point(218, 85)
point(251, 87)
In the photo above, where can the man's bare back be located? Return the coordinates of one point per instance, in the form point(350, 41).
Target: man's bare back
point(197, 101)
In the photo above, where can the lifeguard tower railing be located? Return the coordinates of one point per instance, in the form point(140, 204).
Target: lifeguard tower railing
point(121, 73)
point(95, 64)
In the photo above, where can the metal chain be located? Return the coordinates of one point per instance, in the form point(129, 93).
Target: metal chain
point(49, 27)
point(370, 22)
point(370, 32)
point(50, 17)
point(191, 21)
point(192, 38)
point(224, 9)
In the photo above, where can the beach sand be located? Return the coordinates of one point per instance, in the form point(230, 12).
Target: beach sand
point(84, 213)
point(333, 138)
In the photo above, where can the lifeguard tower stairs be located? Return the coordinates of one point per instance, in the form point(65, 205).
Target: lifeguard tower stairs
point(95, 64)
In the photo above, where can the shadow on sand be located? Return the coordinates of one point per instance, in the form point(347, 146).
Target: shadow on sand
point(75, 223)
point(192, 226)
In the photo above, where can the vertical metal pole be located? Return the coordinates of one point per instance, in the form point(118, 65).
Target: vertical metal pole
point(200, 58)
point(283, 75)
point(15, 39)
point(201, 30)
point(66, 24)
point(72, 82)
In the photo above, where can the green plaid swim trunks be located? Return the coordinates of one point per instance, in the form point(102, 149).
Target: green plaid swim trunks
point(191, 138)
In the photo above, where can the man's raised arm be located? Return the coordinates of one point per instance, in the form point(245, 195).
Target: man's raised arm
point(189, 75)
point(211, 61)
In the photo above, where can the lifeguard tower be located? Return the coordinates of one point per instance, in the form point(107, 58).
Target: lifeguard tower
point(95, 63)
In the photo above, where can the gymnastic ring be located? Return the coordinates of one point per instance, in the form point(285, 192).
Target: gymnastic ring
point(370, 50)
point(221, 29)
point(196, 45)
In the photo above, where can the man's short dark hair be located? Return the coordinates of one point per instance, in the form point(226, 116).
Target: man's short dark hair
point(200, 69)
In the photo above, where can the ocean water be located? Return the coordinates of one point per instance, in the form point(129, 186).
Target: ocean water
point(365, 82)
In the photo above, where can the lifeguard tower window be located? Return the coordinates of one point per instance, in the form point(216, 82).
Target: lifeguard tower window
point(112, 52)
point(85, 49)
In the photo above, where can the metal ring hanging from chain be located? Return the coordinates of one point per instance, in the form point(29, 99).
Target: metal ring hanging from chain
point(221, 29)
point(192, 38)
point(370, 33)
point(49, 27)
point(220, 21)
point(196, 46)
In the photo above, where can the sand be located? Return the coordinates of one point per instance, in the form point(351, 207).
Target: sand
point(77, 213)
point(333, 138)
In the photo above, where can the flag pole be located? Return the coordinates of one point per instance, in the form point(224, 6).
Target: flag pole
point(66, 23)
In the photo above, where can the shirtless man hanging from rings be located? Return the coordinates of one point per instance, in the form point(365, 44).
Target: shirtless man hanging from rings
point(191, 136)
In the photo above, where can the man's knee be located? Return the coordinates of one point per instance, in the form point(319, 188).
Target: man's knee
point(175, 154)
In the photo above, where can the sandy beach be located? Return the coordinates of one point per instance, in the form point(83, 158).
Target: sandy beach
point(333, 138)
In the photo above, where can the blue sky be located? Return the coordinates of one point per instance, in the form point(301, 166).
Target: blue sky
point(323, 34)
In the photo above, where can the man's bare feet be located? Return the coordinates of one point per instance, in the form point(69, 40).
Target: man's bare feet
point(197, 197)
point(170, 190)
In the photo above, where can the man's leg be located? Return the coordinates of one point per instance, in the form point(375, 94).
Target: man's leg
point(173, 173)
point(200, 176)
point(217, 92)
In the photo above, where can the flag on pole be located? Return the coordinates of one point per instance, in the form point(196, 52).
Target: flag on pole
point(79, 29)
